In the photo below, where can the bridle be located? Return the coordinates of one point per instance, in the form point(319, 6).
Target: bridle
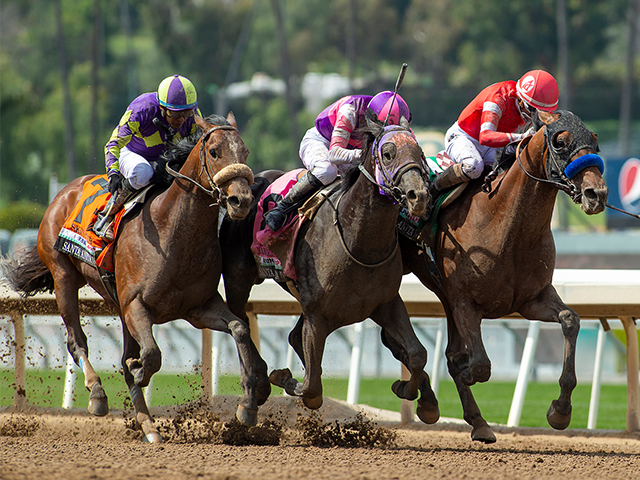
point(553, 157)
point(393, 190)
point(389, 182)
point(215, 191)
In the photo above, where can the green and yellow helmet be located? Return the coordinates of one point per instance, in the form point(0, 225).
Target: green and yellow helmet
point(177, 93)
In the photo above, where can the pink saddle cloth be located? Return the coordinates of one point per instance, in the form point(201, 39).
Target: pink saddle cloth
point(273, 251)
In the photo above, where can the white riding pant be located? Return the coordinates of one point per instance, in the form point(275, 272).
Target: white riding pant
point(135, 168)
point(314, 153)
point(467, 151)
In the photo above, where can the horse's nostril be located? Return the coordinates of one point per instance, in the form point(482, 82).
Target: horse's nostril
point(411, 196)
point(590, 194)
point(233, 201)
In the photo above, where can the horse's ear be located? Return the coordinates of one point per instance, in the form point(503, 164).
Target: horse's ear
point(404, 122)
point(372, 121)
point(231, 118)
point(201, 123)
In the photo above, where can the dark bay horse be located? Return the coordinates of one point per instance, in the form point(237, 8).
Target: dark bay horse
point(348, 265)
point(167, 267)
point(496, 255)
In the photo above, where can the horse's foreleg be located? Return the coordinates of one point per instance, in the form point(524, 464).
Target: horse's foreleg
point(467, 324)
point(458, 365)
point(131, 366)
point(314, 336)
point(549, 307)
point(295, 339)
point(400, 338)
point(67, 299)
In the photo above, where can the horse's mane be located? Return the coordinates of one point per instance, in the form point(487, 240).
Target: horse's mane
point(177, 154)
point(367, 135)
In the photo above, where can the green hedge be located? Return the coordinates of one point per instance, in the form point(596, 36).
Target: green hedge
point(22, 214)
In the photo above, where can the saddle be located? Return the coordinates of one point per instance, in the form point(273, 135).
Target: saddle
point(274, 252)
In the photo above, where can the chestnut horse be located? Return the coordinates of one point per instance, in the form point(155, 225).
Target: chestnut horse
point(496, 255)
point(167, 267)
point(348, 264)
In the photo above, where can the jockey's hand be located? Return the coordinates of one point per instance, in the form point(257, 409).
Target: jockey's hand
point(115, 182)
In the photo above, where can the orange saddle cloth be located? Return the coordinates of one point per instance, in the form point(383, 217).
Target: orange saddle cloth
point(76, 238)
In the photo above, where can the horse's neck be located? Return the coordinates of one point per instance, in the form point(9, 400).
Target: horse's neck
point(530, 202)
point(185, 207)
point(367, 217)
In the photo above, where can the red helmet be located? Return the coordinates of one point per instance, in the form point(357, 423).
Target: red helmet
point(538, 89)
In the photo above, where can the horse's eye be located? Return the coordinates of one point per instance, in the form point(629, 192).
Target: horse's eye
point(389, 151)
point(212, 152)
point(561, 140)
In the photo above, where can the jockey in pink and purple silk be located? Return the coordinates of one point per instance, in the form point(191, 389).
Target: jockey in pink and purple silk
point(330, 147)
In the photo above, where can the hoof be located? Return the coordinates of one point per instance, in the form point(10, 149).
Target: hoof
point(98, 403)
point(312, 403)
point(483, 434)
point(427, 413)
point(399, 387)
point(556, 419)
point(279, 377)
point(152, 437)
point(246, 416)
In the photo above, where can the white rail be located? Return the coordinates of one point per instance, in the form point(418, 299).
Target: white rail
point(594, 294)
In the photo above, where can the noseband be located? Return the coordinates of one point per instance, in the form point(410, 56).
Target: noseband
point(215, 191)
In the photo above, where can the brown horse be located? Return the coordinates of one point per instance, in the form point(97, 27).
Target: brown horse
point(496, 255)
point(348, 265)
point(167, 267)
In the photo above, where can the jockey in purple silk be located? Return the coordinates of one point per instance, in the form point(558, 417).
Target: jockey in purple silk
point(151, 122)
point(330, 147)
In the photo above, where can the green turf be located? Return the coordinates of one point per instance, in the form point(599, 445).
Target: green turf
point(45, 388)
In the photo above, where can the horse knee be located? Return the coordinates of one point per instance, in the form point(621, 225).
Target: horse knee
point(570, 322)
point(480, 370)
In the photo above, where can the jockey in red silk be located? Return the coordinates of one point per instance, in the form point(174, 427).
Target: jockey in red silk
point(329, 148)
point(151, 122)
point(493, 120)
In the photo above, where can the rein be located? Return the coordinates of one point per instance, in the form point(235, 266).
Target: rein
point(394, 192)
point(336, 223)
point(215, 190)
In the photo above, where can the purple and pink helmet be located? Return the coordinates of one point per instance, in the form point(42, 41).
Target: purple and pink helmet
point(381, 105)
point(177, 93)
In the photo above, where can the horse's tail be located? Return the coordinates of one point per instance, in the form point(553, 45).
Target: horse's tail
point(27, 274)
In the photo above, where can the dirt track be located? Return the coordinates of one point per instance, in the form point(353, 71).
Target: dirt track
point(75, 446)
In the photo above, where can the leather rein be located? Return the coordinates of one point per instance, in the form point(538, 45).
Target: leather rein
point(395, 192)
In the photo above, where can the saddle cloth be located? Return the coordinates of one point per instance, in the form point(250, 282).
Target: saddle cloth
point(273, 251)
point(76, 238)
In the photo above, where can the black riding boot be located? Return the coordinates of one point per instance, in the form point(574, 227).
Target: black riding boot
point(301, 191)
point(452, 176)
point(104, 226)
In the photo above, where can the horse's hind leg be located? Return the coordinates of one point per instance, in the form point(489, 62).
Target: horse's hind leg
point(550, 308)
point(253, 369)
point(66, 291)
point(283, 378)
point(400, 338)
point(458, 365)
point(130, 361)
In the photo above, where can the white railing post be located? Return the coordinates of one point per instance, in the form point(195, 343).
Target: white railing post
point(633, 408)
point(70, 377)
point(528, 355)
point(20, 372)
point(438, 355)
point(216, 347)
point(356, 363)
point(597, 377)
